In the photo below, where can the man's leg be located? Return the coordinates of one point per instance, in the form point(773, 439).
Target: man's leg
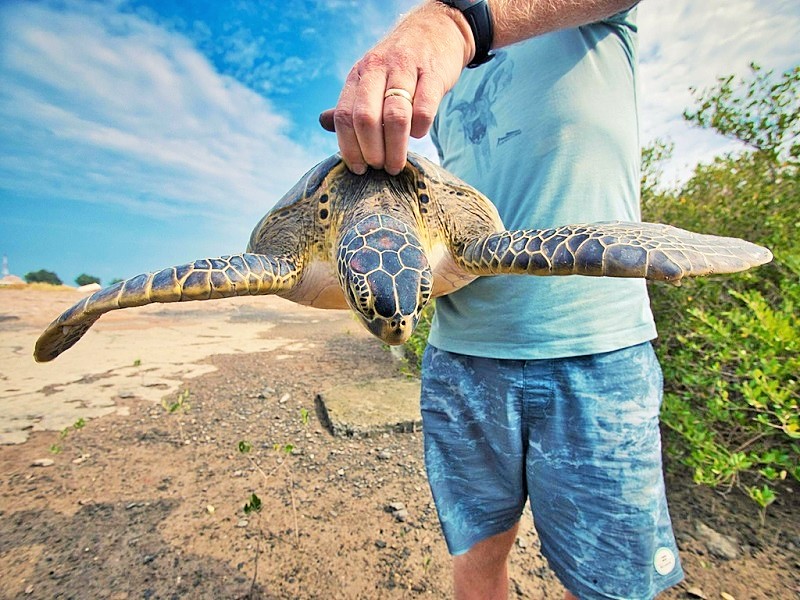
point(482, 573)
point(474, 458)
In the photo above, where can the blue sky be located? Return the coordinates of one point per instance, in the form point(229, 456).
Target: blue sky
point(140, 134)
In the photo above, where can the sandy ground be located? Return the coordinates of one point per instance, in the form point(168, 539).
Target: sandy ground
point(140, 426)
point(149, 353)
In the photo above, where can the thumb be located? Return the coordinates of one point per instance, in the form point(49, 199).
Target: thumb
point(326, 120)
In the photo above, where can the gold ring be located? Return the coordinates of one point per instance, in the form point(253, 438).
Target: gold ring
point(398, 92)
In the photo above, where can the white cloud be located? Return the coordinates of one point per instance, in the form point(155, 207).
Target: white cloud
point(102, 106)
point(369, 24)
point(687, 44)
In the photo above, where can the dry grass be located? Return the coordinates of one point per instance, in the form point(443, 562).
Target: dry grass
point(46, 287)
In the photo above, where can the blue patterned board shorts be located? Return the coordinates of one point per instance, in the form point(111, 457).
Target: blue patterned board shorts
point(580, 436)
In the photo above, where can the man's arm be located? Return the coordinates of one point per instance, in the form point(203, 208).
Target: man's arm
point(517, 20)
point(424, 55)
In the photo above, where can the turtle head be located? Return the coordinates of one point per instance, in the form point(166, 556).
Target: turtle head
point(385, 276)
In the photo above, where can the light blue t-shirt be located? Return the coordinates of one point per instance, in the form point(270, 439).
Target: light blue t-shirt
point(549, 131)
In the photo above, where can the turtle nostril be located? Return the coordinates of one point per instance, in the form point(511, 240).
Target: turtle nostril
point(397, 323)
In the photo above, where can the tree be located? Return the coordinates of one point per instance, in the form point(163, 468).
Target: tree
point(760, 112)
point(653, 156)
point(84, 279)
point(42, 276)
point(753, 193)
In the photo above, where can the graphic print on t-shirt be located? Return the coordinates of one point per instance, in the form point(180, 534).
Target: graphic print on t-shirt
point(476, 116)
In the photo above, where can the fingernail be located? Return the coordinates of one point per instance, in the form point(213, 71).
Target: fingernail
point(358, 169)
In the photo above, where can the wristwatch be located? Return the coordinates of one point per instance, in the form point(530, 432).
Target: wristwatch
point(480, 22)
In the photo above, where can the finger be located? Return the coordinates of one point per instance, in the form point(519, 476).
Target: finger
point(427, 97)
point(368, 117)
point(397, 112)
point(345, 130)
point(326, 120)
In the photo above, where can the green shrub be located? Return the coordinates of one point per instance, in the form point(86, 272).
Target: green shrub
point(730, 347)
point(85, 279)
point(732, 393)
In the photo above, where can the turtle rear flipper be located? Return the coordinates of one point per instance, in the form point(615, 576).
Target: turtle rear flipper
point(206, 279)
point(615, 249)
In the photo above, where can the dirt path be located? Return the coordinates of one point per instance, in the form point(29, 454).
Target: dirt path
point(142, 502)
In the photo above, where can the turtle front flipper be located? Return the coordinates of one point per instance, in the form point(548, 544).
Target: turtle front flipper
point(614, 249)
point(206, 279)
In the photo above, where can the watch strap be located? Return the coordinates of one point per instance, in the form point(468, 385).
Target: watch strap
point(479, 18)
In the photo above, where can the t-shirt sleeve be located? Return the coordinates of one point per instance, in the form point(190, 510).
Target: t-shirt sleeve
point(625, 18)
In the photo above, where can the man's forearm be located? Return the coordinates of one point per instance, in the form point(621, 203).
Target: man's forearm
point(517, 20)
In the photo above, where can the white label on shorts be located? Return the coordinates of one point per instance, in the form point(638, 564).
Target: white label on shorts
point(664, 561)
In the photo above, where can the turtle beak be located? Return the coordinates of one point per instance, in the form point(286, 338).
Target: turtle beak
point(394, 331)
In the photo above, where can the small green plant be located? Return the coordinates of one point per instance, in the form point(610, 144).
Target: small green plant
point(304, 416)
point(763, 496)
point(426, 562)
point(284, 448)
point(79, 424)
point(137, 362)
point(253, 505)
point(181, 403)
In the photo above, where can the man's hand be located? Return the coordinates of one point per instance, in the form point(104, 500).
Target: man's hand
point(424, 56)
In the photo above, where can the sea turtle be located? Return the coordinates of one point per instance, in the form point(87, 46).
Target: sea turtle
point(385, 245)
